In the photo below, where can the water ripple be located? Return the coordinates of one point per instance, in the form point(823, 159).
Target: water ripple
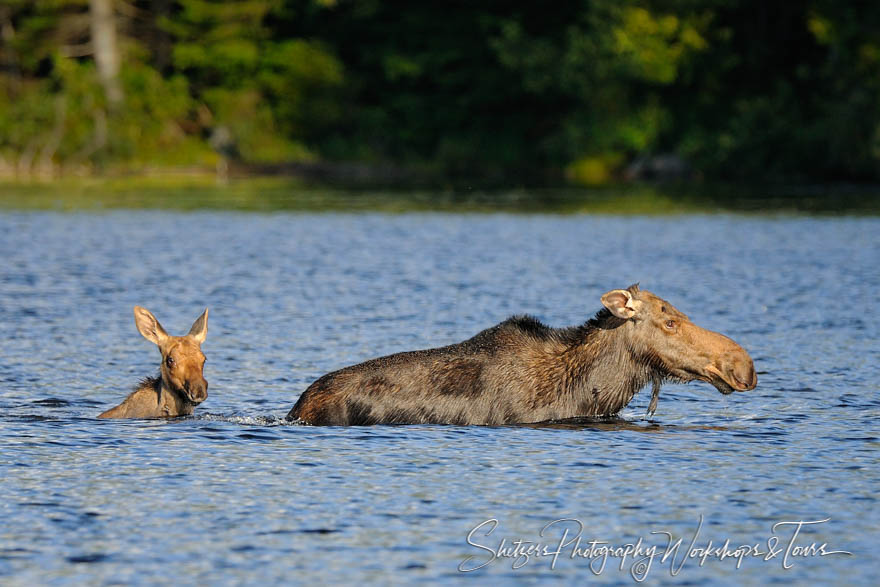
point(236, 494)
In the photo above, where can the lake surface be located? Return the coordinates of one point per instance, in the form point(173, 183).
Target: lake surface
point(234, 495)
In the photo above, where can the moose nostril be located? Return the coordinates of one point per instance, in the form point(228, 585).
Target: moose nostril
point(744, 375)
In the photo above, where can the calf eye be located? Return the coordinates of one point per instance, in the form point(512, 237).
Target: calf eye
point(670, 324)
point(169, 361)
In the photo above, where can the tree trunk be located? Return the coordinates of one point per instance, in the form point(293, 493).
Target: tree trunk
point(7, 38)
point(106, 49)
point(45, 165)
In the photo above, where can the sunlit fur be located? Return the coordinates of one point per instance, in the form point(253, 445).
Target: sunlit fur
point(523, 371)
point(181, 384)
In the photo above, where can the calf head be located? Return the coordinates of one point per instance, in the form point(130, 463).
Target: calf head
point(182, 360)
point(677, 348)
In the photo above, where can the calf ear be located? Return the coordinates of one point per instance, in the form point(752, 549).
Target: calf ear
point(620, 302)
point(199, 328)
point(148, 326)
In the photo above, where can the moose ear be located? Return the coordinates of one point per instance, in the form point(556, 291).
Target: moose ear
point(148, 326)
point(199, 328)
point(621, 303)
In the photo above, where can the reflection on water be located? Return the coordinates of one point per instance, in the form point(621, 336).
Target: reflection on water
point(235, 494)
point(613, 424)
point(602, 423)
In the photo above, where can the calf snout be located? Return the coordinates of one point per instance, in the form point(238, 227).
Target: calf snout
point(196, 391)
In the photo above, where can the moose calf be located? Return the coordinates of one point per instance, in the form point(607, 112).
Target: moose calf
point(180, 385)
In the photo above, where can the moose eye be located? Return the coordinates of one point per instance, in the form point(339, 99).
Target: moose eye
point(169, 361)
point(670, 324)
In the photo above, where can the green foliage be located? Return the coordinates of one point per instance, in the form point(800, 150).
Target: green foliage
point(651, 47)
point(301, 80)
point(786, 91)
point(273, 93)
point(509, 92)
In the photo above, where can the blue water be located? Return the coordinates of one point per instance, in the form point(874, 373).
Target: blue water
point(234, 495)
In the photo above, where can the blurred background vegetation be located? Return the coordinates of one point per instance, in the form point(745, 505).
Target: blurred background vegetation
point(504, 93)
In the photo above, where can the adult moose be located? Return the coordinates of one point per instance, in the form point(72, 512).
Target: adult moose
point(523, 371)
point(181, 383)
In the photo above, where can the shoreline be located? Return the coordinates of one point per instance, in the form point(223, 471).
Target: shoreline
point(204, 191)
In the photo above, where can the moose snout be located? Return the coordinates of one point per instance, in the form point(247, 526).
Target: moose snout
point(732, 371)
point(196, 391)
point(743, 374)
point(738, 372)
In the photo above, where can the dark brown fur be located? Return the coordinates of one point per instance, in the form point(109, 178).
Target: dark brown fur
point(523, 371)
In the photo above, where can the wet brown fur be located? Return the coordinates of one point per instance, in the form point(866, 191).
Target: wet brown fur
point(523, 371)
point(151, 400)
point(180, 385)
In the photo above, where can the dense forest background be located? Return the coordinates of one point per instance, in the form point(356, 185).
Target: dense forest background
point(586, 92)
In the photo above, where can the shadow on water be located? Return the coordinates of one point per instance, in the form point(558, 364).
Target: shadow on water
point(58, 410)
point(613, 425)
point(607, 424)
point(581, 423)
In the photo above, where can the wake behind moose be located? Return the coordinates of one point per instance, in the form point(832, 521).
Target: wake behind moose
point(521, 371)
point(181, 383)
